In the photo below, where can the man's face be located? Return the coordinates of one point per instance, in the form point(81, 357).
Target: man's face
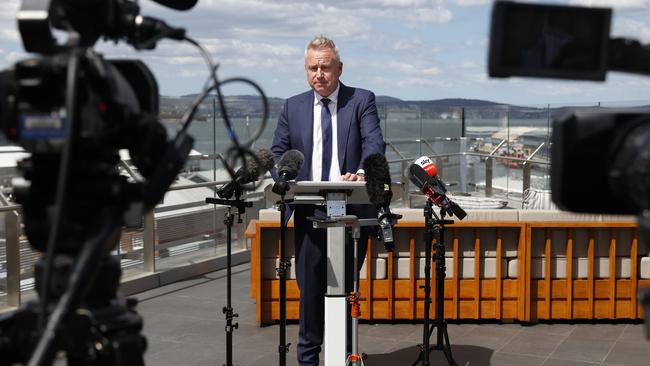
point(323, 70)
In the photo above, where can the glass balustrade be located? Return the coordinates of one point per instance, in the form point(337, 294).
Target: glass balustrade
point(480, 150)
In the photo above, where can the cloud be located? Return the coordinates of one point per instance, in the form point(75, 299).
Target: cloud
point(10, 34)
point(402, 45)
point(630, 27)
point(8, 24)
point(641, 4)
point(556, 89)
point(409, 69)
point(471, 2)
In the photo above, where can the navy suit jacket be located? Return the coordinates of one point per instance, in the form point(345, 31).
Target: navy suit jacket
point(358, 131)
point(358, 134)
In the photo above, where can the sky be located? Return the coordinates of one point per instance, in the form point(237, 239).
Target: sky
point(408, 49)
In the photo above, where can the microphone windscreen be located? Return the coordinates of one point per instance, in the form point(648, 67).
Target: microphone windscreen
point(177, 4)
point(256, 168)
point(378, 179)
point(290, 163)
point(266, 160)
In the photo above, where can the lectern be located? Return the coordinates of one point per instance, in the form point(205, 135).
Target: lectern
point(335, 196)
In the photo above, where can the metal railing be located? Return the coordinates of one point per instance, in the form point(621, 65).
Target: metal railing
point(148, 251)
point(14, 239)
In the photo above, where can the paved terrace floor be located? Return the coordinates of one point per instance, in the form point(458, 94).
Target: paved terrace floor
point(184, 326)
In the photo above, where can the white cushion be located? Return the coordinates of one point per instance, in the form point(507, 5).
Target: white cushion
point(644, 268)
point(555, 215)
point(379, 269)
point(581, 267)
point(402, 269)
point(488, 242)
point(466, 268)
point(513, 268)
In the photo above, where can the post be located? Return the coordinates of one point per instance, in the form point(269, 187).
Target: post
point(12, 230)
point(527, 168)
point(407, 182)
point(149, 242)
point(489, 166)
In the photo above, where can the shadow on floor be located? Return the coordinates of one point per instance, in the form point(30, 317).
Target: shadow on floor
point(464, 355)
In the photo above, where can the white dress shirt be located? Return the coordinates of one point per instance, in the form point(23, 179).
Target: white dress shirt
point(317, 153)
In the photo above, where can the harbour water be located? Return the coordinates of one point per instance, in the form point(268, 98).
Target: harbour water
point(410, 135)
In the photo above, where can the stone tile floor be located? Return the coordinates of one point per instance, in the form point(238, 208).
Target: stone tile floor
point(185, 326)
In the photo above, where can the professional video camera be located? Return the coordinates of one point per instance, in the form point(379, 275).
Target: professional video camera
point(600, 161)
point(73, 111)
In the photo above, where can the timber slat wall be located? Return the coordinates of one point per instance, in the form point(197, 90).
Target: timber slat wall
point(521, 298)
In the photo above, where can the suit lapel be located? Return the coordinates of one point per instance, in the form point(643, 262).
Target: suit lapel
point(307, 129)
point(344, 119)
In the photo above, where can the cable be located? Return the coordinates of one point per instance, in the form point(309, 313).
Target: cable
point(62, 181)
point(238, 150)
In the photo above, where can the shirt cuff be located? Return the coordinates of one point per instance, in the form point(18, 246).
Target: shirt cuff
point(361, 172)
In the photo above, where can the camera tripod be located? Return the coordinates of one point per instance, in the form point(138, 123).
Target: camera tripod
point(88, 320)
point(433, 225)
point(229, 219)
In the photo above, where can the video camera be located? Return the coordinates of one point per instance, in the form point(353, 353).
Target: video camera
point(73, 110)
point(603, 146)
point(600, 161)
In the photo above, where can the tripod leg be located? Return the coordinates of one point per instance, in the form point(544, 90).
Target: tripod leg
point(447, 348)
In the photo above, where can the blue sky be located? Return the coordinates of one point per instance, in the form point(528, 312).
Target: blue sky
point(409, 49)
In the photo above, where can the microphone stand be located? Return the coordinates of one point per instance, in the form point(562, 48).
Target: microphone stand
point(433, 225)
point(283, 347)
point(227, 310)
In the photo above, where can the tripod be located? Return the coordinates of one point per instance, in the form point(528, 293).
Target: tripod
point(283, 347)
point(433, 225)
point(228, 220)
point(89, 320)
point(355, 359)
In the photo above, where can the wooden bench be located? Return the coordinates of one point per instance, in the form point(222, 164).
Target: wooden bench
point(493, 260)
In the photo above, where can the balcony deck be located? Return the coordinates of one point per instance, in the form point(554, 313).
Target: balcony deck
point(184, 326)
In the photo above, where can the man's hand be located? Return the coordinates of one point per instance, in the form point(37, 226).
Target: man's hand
point(351, 177)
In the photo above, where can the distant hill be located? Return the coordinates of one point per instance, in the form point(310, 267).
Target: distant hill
point(249, 105)
point(459, 102)
point(387, 99)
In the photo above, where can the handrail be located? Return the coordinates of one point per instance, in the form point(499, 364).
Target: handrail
point(392, 146)
point(527, 166)
point(510, 158)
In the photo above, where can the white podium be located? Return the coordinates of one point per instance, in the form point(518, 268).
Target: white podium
point(336, 196)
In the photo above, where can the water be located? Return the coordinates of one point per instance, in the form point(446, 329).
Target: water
point(402, 129)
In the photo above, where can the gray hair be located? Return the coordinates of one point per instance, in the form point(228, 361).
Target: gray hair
point(320, 42)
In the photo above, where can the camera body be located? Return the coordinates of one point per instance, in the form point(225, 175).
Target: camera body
point(597, 155)
point(73, 110)
point(600, 161)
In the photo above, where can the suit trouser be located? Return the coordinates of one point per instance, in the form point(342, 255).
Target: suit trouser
point(311, 273)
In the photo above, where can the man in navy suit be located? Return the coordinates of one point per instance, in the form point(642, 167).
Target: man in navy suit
point(336, 127)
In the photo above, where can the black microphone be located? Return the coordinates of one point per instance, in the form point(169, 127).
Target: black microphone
point(435, 190)
point(248, 173)
point(378, 187)
point(287, 167)
point(177, 4)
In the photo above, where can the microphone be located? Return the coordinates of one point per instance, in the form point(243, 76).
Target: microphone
point(378, 188)
point(177, 4)
point(248, 173)
point(423, 173)
point(288, 167)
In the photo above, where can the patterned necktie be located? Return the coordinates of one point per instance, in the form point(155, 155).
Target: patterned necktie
point(326, 127)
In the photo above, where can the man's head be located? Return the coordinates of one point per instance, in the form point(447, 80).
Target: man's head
point(323, 65)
